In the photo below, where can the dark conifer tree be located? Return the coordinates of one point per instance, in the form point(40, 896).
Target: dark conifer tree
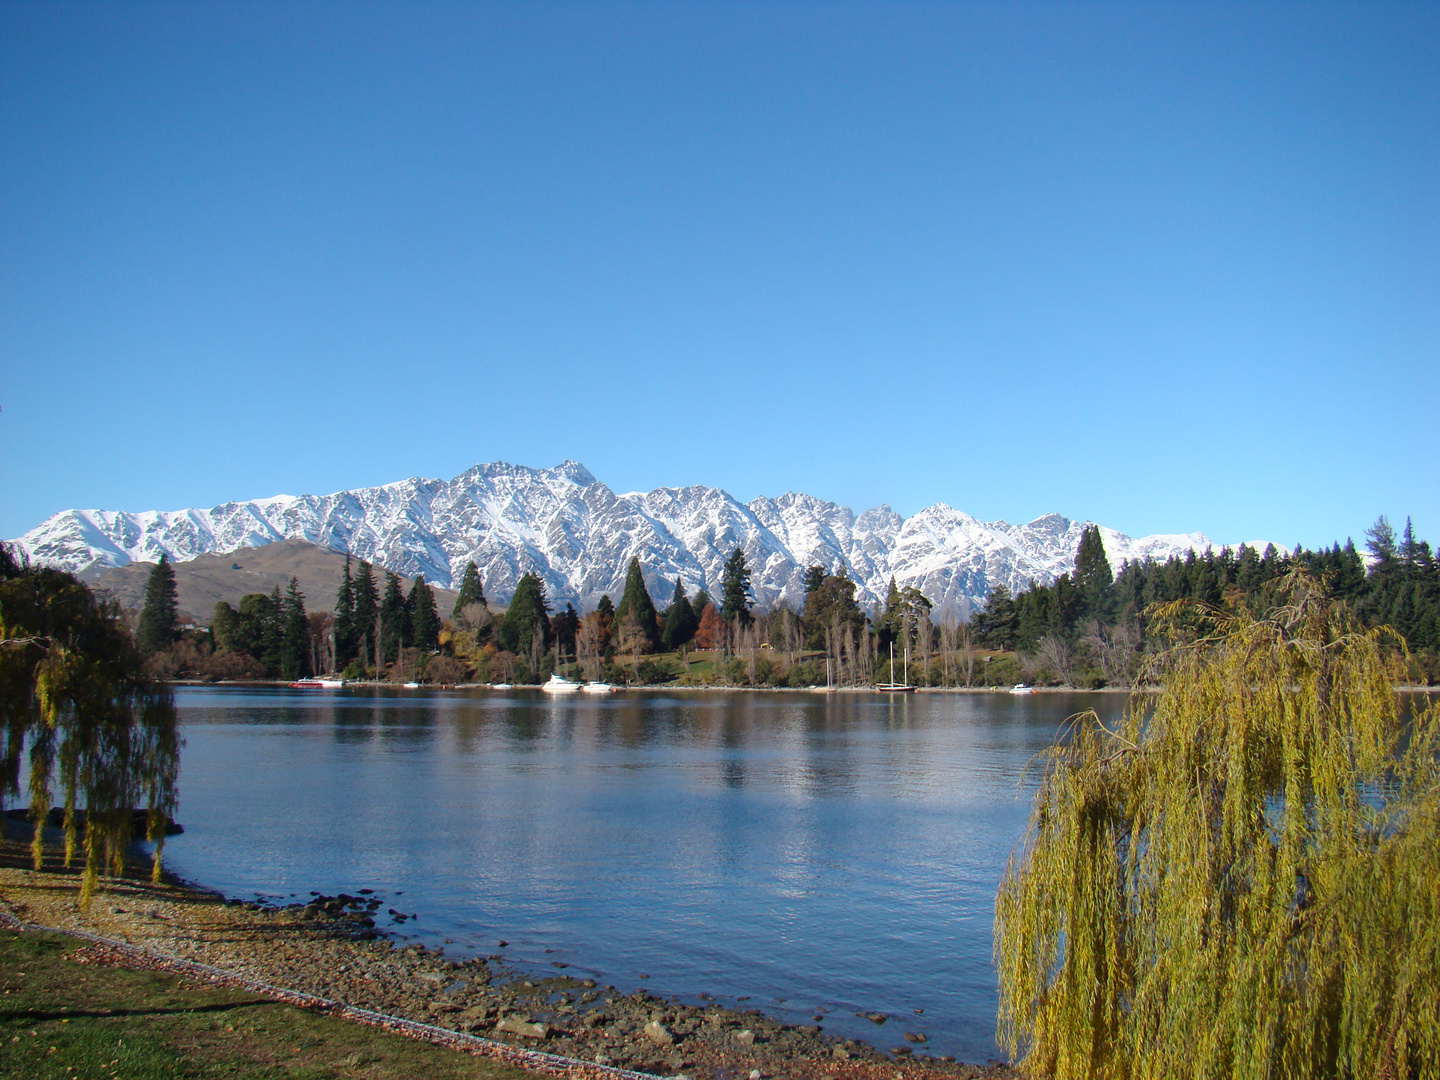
point(698, 603)
point(736, 596)
point(273, 634)
point(887, 627)
point(814, 578)
point(394, 620)
point(471, 590)
point(636, 602)
point(830, 606)
point(995, 624)
point(345, 618)
point(680, 619)
point(157, 626)
point(527, 616)
point(367, 610)
point(1349, 583)
point(424, 619)
point(1380, 539)
point(1092, 575)
point(563, 629)
point(294, 635)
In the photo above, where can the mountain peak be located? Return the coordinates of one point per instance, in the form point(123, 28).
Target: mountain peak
point(579, 536)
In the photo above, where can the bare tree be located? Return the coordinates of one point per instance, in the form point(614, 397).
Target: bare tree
point(967, 642)
point(1115, 650)
point(590, 642)
point(631, 638)
point(1054, 652)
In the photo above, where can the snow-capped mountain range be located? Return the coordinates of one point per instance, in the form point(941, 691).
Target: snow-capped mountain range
point(579, 537)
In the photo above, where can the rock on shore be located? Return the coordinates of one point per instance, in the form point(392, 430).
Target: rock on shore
point(329, 948)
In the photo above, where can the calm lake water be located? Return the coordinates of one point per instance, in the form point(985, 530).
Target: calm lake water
point(798, 853)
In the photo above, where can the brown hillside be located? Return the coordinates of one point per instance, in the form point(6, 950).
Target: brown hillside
point(201, 582)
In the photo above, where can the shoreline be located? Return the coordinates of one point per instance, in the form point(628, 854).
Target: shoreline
point(328, 955)
point(668, 688)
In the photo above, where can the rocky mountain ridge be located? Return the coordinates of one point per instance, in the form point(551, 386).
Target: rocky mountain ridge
point(578, 535)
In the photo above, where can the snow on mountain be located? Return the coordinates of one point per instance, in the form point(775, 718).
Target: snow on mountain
point(579, 537)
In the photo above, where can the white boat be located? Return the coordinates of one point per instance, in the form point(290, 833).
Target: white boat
point(502, 686)
point(411, 685)
point(558, 684)
point(1021, 688)
point(597, 688)
point(331, 684)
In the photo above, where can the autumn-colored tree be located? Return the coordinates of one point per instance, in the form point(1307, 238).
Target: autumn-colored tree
point(711, 633)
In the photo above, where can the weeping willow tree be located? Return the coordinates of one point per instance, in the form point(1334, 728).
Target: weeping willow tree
point(77, 711)
point(1242, 878)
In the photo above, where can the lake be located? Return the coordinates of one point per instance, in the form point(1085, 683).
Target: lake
point(805, 854)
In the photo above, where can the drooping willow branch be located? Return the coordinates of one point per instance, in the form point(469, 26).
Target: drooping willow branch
point(77, 710)
point(1243, 879)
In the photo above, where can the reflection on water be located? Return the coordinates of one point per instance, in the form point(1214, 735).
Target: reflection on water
point(810, 852)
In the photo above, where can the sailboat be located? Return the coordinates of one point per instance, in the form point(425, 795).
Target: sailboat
point(897, 687)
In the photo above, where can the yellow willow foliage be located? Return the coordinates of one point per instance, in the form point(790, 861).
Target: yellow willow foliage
point(1242, 879)
point(76, 709)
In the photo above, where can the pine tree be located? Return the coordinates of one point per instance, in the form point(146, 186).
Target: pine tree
point(345, 618)
point(997, 624)
point(394, 620)
point(636, 603)
point(735, 593)
point(367, 610)
point(424, 619)
point(1092, 574)
point(471, 591)
point(680, 620)
point(563, 629)
point(527, 617)
point(831, 607)
point(295, 635)
point(1380, 539)
point(814, 578)
point(156, 627)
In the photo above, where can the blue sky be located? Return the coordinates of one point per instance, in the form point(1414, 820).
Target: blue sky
point(1165, 266)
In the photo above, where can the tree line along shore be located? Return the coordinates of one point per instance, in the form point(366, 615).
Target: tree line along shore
point(1089, 629)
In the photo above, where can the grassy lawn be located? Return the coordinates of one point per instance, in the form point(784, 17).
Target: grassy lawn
point(61, 1020)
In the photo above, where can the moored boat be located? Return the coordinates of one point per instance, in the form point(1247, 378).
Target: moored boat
point(596, 688)
point(558, 684)
point(1021, 688)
